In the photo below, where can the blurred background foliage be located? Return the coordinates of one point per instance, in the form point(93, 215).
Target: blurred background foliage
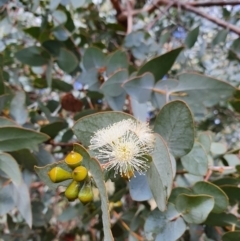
point(61, 60)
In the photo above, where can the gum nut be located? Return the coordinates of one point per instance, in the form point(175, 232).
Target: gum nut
point(79, 173)
point(73, 159)
point(86, 194)
point(72, 191)
point(58, 174)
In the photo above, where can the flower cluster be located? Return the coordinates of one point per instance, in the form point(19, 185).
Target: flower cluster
point(123, 146)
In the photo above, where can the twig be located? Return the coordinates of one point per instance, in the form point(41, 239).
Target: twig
point(129, 18)
point(209, 173)
point(192, 7)
point(161, 13)
point(118, 217)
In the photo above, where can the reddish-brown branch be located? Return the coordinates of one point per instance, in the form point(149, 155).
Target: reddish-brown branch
point(191, 7)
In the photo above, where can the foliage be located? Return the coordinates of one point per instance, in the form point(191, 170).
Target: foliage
point(69, 68)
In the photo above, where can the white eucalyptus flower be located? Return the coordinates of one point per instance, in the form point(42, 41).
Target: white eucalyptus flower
point(123, 146)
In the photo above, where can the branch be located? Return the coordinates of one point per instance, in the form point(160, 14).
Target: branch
point(192, 7)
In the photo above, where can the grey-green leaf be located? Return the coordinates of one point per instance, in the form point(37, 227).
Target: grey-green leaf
point(196, 161)
point(160, 182)
point(175, 124)
point(15, 138)
point(140, 87)
point(66, 60)
point(231, 236)
point(194, 208)
point(164, 226)
point(93, 58)
point(192, 37)
point(220, 198)
point(11, 168)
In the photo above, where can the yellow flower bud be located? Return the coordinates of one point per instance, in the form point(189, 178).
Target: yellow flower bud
point(79, 173)
point(72, 191)
point(73, 159)
point(58, 174)
point(86, 193)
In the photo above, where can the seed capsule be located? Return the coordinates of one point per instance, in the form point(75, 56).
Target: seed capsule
point(79, 173)
point(57, 174)
point(86, 194)
point(72, 191)
point(73, 159)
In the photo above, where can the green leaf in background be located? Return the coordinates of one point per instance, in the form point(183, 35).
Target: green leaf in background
point(200, 90)
point(3, 100)
point(139, 188)
point(93, 58)
point(94, 167)
point(86, 126)
point(164, 226)
point(113, 86)
point(67, 61)
point(218, 148)
point(2, 86)
point(205, 140)
point(6, 199)
point(175, 124)
point(192, 37)
point(15, 138)
point(221, 219)
point(54, 128)
point(116, 61)
point(140, 87)
point(233, 193)
point(57, 84)
point(194, 208)
point(9, 165)
point(25, 158)
point(160, 65)
point(22, 201)
point(177, 191)
point(220, 198)
point(220, 37)
point(231, 236)
point(160, 182)
point(116, 103)
point(18, 109)
point(7, 122)
point(196, 161)
point(33, 56)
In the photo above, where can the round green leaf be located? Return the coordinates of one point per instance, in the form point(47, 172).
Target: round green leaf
point(10, 167)
point(93, 58)
point(220, 198)
point(113, 86)
point(66, 60)
point(160, 182)
point(194, 208)
point(177, 191)
point(86, 126)
point(233, 193)
point(218, 148)
point(175, 124)
point(116, 61)
point(196, 161)
point(140, 88)
point(54, 128)
point(231, 236)
point(164, 226)
point(205, 139)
